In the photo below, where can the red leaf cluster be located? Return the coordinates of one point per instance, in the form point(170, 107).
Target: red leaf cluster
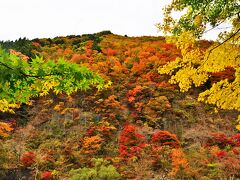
point(169, 46)
point(46, 175)
point(28, 158)
point(220, 154)
point(228, 73)
point(236, 139)
point(221, 140)
point(131, 94)
point(163, 138)
point(130, 142)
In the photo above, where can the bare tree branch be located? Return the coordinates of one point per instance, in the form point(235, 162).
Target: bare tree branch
point(230, 37)
point(24, 74)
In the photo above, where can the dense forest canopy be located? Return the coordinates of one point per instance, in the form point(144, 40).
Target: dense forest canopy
point(105, 106)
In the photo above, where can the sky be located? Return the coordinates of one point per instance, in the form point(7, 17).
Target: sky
point(51, 18)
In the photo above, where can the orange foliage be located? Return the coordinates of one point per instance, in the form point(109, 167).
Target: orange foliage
point(166, 85)
point(151, 50)
point(131, 94)
point(19, 54)
point(110, 108)
point(109, 52)
point(104, 129)
point(138, 68)
point(67, 52)
point(5, 128)
point(144, 55)
point(112, 102)
point(60, 51)
point(168, 46)
point(151, 76)
point(91, 145)
point(36, 44)
point(77, 58)
point(179, 162)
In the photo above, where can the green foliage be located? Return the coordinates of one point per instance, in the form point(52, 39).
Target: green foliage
point(22, 45)
point(96, 39)
point(101, 170)
point(199, 14)
point(43, 42)
point(21, 80)
point(58, 41)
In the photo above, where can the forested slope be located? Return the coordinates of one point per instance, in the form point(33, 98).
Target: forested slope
point(138, 126)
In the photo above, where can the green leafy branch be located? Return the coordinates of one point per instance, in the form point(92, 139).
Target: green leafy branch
point(22, 80)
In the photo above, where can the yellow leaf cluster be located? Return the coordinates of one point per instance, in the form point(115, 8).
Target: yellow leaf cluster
point(216, 60)
point(185, 71)
point(5, 106)
point(48, 85)
point(223, 94)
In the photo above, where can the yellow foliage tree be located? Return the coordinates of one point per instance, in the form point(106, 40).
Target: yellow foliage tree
point(196, 65)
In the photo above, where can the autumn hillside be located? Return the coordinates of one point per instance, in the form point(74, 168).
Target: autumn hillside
point(139, 126)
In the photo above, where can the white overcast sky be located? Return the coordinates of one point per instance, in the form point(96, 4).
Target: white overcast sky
point(50, 18)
